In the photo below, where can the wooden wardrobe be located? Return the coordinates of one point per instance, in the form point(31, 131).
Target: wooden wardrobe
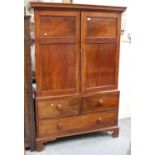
point(77, 63)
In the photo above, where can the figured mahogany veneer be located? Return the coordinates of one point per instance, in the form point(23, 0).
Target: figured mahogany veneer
point(99, 26)
point(54, 108)
point(77, 59)
point(60, 27)
point(57, 57)
point(69, 125)
point(100, 102)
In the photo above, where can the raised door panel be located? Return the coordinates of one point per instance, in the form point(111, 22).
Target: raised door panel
point(100, 51)
point(58, 67)
point(100, 66)
point(56, 26)
point(57, 53)
point(101, 27)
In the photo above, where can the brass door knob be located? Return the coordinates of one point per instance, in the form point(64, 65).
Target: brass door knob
point(59, 107)
point(99, 120)
point(59, 126)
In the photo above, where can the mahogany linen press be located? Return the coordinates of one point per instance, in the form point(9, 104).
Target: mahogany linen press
point(77, 62)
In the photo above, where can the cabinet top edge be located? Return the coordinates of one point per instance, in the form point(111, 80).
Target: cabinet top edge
point(67, 6)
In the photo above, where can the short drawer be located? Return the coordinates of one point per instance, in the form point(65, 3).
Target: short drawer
point(100, 102)
point(76, 124)
point(58, 107)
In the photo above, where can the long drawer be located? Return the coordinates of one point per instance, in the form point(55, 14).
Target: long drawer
point(76, 124)
point(53, 108)
point(100, 102)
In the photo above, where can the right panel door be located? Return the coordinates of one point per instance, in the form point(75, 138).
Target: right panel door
point(100, 35)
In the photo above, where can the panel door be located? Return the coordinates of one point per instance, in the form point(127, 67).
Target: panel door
point(57, 52)
point(100, 51)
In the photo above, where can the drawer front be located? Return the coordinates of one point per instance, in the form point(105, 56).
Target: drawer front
point(58, 107)
point(100, 103)
point(76, 124)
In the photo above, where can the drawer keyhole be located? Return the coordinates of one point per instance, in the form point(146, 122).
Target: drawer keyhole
point(59, 126)
point(99, 120)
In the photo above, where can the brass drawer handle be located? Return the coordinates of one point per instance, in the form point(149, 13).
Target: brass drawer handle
point(59, 107)
point(52, 104)
point(59, 126)
point(101, 102)
point(99, 120)
point(45, 34)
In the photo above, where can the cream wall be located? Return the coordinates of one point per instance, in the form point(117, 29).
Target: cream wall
point(125, 80)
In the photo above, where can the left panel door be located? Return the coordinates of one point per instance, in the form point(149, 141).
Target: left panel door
point(57, 52)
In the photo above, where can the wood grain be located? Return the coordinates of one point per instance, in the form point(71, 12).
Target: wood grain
point(56, 26)
point(81, 7)
point(100, 65)
point(63, 126)
point(100, 51)
point(77, 66)
point(101, 26)
point(60, 44)
point(54, 108)
point(100, 103)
